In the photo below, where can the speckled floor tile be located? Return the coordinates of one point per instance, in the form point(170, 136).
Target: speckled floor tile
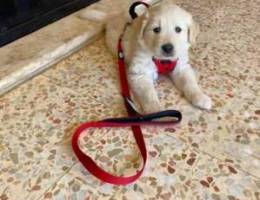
point(229, 117)
point(212, 155)
point(174, 171)
point(83, 70)
point(35, 121)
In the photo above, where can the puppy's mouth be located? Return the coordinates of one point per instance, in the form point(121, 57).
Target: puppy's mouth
point(167, 55)
point(166, 58)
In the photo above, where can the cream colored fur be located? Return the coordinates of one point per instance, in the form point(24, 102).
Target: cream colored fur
point(140, 44)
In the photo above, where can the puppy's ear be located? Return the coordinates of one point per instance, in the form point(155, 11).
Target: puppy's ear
point(145, 19)
point(193, 31)
point(140, 24)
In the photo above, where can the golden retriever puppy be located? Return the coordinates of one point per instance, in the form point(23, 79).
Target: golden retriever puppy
point(164, 32)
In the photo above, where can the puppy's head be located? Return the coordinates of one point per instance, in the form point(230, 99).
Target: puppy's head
point(167, 31)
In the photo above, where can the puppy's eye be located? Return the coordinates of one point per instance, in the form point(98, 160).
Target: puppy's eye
point(157, 30)
point(178, 29)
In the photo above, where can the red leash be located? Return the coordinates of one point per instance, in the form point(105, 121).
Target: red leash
point(134, 121)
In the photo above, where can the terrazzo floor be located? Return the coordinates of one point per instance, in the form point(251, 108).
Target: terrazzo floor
point(212, 155)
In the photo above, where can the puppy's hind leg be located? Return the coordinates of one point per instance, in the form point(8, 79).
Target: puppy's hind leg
point(185, 81)
point(93, 15)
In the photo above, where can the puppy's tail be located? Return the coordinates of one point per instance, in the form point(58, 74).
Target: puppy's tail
point(94, 15)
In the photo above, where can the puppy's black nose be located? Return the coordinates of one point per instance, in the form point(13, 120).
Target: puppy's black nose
point(167, 48)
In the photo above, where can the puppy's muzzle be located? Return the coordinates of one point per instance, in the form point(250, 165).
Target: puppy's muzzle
point(167, 49)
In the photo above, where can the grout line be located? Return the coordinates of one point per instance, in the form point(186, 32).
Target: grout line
point(212, 156)
point(58, 179)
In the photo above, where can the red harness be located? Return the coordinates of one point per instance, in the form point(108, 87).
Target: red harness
point(165, 66)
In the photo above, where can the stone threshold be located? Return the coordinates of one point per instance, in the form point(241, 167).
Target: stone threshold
point(34, 53)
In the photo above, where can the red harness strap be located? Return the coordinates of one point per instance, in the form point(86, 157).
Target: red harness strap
point(165, 66)
point(134, 121)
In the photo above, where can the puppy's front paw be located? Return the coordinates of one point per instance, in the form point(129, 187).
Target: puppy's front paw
point(202, 101)
point(152, 107)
